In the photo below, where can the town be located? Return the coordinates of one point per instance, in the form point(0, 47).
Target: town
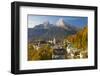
point(61, 49)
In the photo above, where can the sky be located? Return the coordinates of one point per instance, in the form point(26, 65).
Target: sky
point(34, 20)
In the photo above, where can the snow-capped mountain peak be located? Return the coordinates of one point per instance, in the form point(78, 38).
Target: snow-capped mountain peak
point(61, 23)
point(46, 23)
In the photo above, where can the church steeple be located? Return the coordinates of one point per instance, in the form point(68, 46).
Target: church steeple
point(54, 40)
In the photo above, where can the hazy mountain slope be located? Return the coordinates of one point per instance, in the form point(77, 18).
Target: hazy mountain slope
point(47, 31)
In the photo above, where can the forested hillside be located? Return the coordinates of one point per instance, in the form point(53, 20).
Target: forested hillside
point(80, 39)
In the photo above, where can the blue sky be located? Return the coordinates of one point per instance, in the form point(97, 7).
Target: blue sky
point(34, 20)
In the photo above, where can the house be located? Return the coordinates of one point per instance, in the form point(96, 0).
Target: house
point(58, 54)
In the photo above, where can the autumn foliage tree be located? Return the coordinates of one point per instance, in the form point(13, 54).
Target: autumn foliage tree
point(43, 53)
point(80, 39)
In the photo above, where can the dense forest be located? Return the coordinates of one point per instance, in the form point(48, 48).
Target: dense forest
point(80, 39)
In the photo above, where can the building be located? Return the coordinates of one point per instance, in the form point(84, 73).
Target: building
point(59, 54)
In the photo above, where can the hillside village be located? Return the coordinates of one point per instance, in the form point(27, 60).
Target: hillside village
point(60, 49)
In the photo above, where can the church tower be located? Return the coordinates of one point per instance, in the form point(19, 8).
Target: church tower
point(54, 41)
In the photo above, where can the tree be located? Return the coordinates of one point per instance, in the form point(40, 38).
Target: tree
point(45, 52)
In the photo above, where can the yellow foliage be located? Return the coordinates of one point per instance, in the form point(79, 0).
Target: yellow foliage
point(43, 53)
point(80, 39)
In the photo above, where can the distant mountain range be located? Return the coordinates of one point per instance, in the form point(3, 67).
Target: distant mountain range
point(47, 31)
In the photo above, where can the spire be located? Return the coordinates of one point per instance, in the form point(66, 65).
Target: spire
point(54, 40)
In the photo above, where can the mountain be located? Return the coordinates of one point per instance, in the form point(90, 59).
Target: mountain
point(47, 31)
point(61, 23)
point(45, 25)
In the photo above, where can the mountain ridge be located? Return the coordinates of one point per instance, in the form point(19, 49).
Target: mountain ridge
point(47, 30)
